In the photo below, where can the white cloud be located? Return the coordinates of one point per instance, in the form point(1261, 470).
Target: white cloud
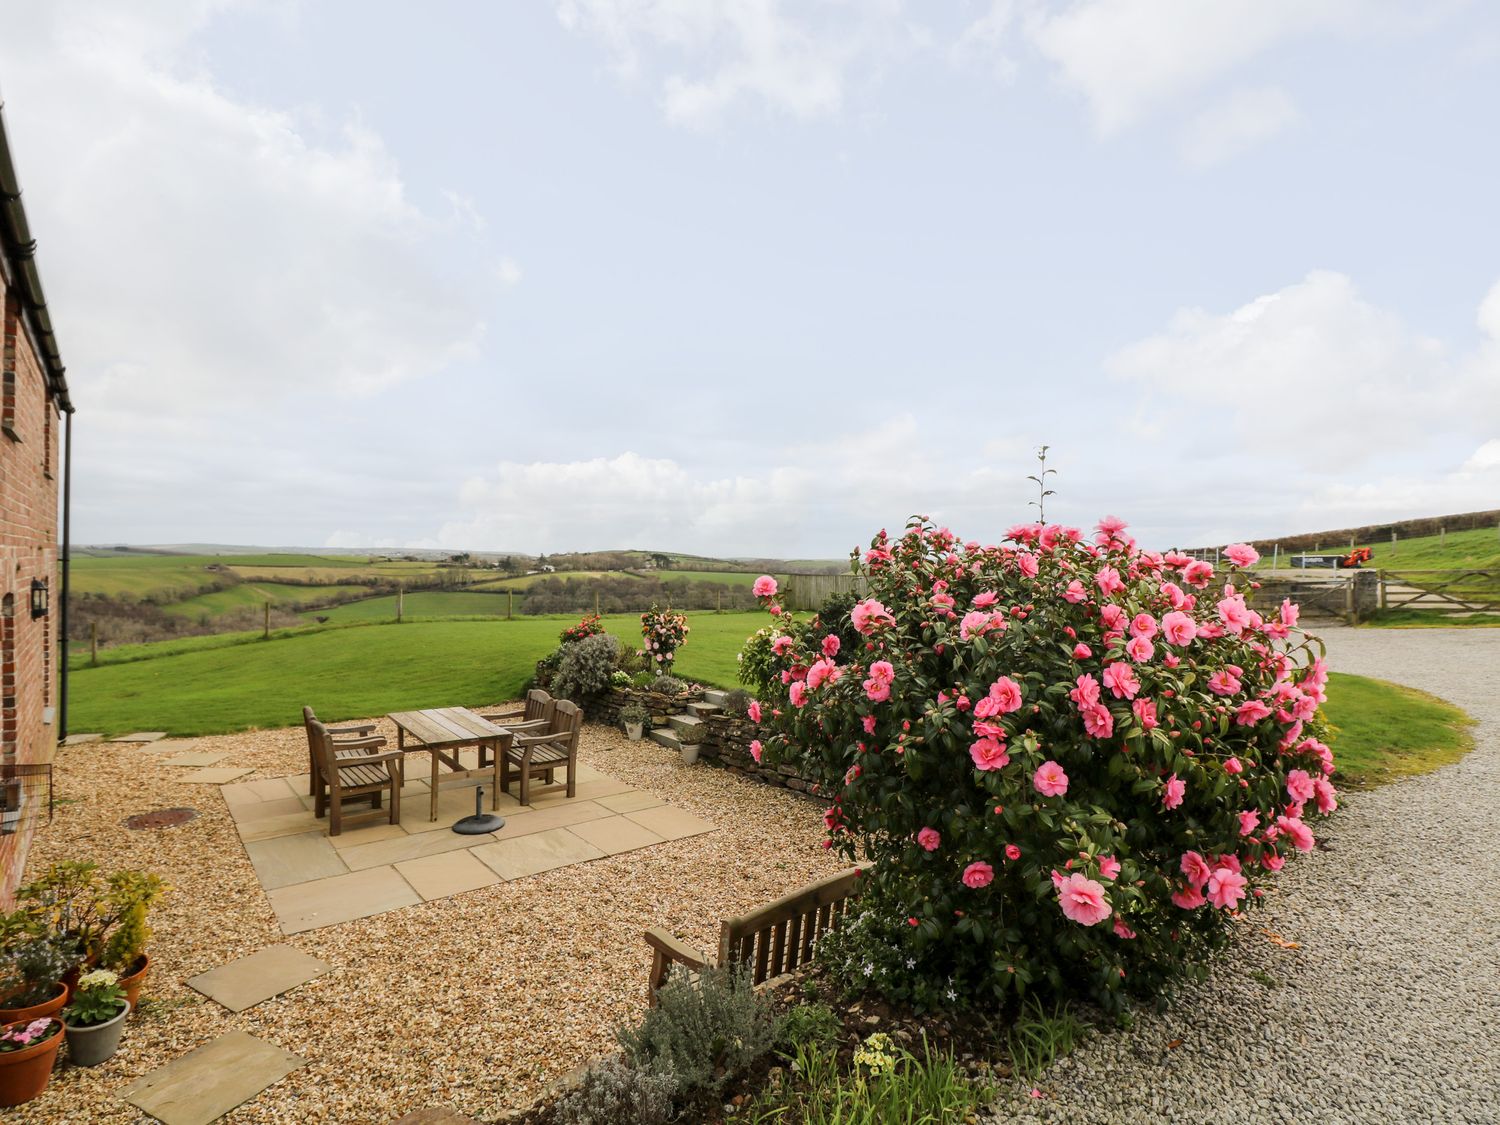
point(1314, 372)
point(1128, 57)
point(509, 272)
point(1242, 120)
point(742, 51)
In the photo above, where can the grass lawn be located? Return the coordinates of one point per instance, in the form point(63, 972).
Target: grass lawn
point(208, 685)
point(423, 604)
point(1385, 731)
point(1427, 619)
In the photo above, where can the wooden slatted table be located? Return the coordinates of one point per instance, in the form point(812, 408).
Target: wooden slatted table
point(442, 732)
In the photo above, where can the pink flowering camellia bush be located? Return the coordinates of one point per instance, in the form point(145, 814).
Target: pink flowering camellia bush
point(1069, 762)
point(664, 632)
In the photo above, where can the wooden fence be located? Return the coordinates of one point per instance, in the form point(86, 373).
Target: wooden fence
point(809, 591)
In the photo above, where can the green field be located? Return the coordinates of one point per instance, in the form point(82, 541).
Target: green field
point(235, 682)
point(1477, 549)
point(253, 596)
point(1384, 731)
point(525, 581)
point(423, 603)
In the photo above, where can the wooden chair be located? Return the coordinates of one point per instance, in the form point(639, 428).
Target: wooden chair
point(769, 941)
point(355, 738)
point(533, 716)
point(346, 774)
point(533, 755)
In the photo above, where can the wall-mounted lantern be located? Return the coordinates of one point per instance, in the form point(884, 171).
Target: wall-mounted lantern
point(38, 598)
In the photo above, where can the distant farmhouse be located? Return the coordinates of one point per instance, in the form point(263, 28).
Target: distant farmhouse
point(33, 487)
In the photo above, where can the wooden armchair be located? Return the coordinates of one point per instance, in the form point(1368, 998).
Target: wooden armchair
point(541, 755)
point(345, 774)
point(534, 714)
point(356, 738)
point(769, 941)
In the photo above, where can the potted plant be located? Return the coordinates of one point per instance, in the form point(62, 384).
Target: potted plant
point(691, 738)
point(31, 978)
point(28, 1048)
point(95, 1018)
point(634, 716)
point(131, 894)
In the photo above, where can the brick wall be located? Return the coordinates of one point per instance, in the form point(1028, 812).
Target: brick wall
point(29, 428)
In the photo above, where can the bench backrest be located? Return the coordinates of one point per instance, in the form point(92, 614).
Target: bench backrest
point(780, 936)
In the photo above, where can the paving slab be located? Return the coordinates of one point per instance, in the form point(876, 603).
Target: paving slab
point(670, 823)
point(616, 834)
point(527, 820)
point(207, 1083)
point(246, 982)
point(630, 802)
point(284, 860)
point(198, 758)
point(246, 808)
point(81, 739)
point(355, 834)
point(267, 789)
point(538, 852)
point(404, 848)
point(343, 898)
point(448, 873)
point(141, 736)
point(283, 824)
point(214, 776)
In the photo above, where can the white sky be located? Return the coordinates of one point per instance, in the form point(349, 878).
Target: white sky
point(748, 277)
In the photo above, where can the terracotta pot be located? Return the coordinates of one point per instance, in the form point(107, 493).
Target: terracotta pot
point(24, 1073)
point(36, 1011)
point(134, 980)
point(93, 1044)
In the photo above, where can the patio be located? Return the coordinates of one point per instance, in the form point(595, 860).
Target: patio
point(469, 998)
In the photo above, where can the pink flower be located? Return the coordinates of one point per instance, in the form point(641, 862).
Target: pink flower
point(1110, 526)
point(1176, 787)
point(1233, 765)
point(1299, 786)
point(869, 614)
point(1272, 862)
point(1143, 625)
point(1082, 651)
point(984, 600)
point(929, 839)
point(820, 671)
point(1300, 834)
point(1189, 898)
point(883, 671)
point(755, 749)
point(1108, 581)
point(1197, 574)
point(877, 691)
point(1226, 887)
point(989, 754)
point(1223, 682)
point(780, 645)
point(1178, 628)
point(830, 646)
point(1109, 866)
point(1086, 692)
point(1083, 900)
point(754, 711)
point(1139, 649)
point(1075, 592)
point(1145, 713)
point(1112, 617)
point(1241, 554)
point(1251, 712)
point(1326, 795)
point(1289, 612)
point(978, 874)
point(1050, 780)
point(1122, 930)
point(1007, 694)
point(1249, 822)
point(868, 722)
point(1120, 679)
point(1098, 720)
point(1196, 868)
point(1174, 594)
point(1027, 562)
point(1012, 852)
point(765, 587)
point(1234, 613)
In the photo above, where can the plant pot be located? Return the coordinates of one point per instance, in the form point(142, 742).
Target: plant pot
point(91, 1045)
point(37, 1011)
point(689, 753)
point(633, 731)
point(134, 980)
point(24, 1073)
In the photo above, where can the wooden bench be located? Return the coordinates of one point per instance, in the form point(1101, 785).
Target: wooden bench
point(771, 940)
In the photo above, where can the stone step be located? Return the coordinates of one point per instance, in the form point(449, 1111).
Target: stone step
point(717, 698)
point(704, 710)
point(683, 722)
point(665, 736)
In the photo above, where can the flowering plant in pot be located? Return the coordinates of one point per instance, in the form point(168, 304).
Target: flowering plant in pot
point(95, 1017)
point(634, 716)
point(664, 633)
point(691, 739)
point(1071, 761)
point(32, 976)
point(28, 1048)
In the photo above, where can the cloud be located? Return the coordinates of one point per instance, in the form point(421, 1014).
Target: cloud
point(1312, 372)
point(739, 52)
point(1244, 119)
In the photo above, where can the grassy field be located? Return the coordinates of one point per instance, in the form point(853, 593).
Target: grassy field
point(167, 578)
point(423, 604)
point(1477, 549)
point(1384, 731)
point(525, 581)
point(253, 596)
point(206, 685)
point(1427, 619)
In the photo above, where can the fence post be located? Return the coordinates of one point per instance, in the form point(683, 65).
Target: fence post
point(596, 603)
point(1275, 554)
point(510, 603)
point(1351, 614)
point(1393, 540)
point(400, 602)
point(266, 633)
point(1380, 601)
point(94, 643)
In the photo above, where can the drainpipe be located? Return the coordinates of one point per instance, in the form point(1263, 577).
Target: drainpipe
point(67, 539)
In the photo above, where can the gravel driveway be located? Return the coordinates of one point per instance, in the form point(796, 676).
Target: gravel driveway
point(1390, 1010)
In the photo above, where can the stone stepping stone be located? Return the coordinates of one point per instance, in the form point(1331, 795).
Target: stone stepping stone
point(246, 982)
point(81, 739)
point(141, 736)
point(208, 1082)
point(670, 823)
point(200, 758)
point(216, 776)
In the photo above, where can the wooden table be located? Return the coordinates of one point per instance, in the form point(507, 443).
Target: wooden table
point(441, 732)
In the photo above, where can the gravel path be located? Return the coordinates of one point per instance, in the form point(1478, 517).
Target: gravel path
point(1390, 1010)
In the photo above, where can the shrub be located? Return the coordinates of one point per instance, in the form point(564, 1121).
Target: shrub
point(613, 1093)
point(759, 667)
point(668, 685)
point(1069, 762)
point(807, 1025)
point(664, 633)
point(619, 678)
point(32, 968)
point(585, 667)
point(590, 626)
point(705, 1029)
point(694, 734)
point(737, 702)
point(633, 712)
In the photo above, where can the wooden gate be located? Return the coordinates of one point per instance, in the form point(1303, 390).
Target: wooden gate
point(1456, 591)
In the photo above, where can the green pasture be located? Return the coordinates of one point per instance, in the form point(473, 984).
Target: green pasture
point(526, 581)
point(1475, 549)
point(1384, 731)
point(253, 596)
point(423, 604)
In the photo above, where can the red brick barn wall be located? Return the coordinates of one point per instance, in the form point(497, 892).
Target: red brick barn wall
point(29, 473)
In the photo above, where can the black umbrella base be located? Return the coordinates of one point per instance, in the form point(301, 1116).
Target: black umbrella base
point(481, 822)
